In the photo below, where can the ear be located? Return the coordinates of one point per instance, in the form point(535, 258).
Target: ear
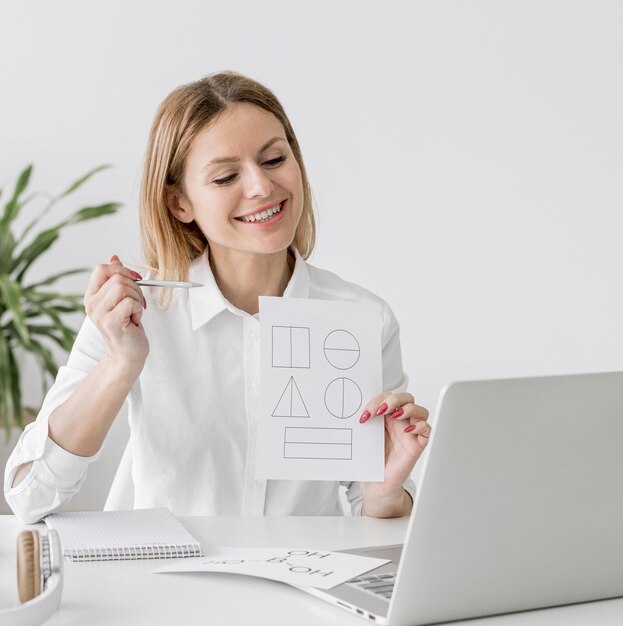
point(179, 206)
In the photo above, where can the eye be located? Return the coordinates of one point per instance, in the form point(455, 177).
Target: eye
point(224, 181)
point(272, 163)
point(277, 160)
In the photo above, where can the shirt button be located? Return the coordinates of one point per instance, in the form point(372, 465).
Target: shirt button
point(254, 386)
point(254, 335)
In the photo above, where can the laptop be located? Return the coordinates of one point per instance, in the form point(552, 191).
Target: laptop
point(519, 506)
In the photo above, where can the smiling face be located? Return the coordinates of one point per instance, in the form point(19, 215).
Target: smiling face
point(242, 184)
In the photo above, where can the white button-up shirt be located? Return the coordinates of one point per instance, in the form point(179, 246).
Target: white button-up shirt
point(194, 410)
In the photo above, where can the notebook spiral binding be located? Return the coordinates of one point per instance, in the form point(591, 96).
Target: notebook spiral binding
point(135, 552)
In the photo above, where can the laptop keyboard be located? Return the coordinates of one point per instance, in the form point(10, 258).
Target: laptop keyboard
point(381, 585)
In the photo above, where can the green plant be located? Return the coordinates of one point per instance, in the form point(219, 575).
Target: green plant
point(31, 314)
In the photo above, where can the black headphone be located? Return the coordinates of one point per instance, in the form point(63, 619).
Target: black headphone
point(39, 579)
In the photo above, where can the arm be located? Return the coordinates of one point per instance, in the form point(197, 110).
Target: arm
point(41, 476)
point(406, 432)
point(51, 457)
point(81, 423)
point(355, 499)
point(115, 304)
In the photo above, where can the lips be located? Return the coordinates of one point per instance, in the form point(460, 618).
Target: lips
point(260, 212)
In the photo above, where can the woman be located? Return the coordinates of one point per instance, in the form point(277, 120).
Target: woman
point(225, 202)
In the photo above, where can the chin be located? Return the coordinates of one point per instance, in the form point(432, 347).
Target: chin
point(271, 245)
point(273, 249)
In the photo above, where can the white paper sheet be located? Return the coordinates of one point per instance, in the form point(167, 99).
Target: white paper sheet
point(320, 362)
point(299, 567)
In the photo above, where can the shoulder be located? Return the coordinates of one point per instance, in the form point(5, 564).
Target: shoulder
point(329, 286)
point(326, 285)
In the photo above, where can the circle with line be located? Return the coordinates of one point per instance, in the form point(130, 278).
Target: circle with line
point(341, 349)
point(342, 398)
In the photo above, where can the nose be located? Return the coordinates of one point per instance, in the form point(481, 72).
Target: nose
point(257, 183)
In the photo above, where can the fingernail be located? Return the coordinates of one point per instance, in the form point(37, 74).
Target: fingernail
point(136, 275)
point(144, 302)
point(409, 429)
point(382, 409)
point(114, 257)
point(365, 416)
point(397, 413)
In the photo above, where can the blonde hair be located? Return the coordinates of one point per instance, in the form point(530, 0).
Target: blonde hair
point(170, 246)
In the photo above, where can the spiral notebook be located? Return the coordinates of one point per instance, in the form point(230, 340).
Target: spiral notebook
point(119, 535)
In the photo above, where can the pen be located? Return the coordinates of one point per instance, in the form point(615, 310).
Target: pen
point(167, 283)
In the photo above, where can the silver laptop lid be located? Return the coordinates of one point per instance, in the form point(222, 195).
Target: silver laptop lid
point(520, 500)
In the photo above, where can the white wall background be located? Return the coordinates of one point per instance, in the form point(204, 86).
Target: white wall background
point(465, 156)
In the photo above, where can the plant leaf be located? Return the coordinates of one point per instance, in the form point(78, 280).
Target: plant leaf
point(83, 180)
point(39, 297)
point(16, 394)
point(6, 400)
point(12, 207)
point(45, 357)
point(11, 411)
point(50, 310)
point(42, 296)
point(91, 212)
point(68, 335)
point(11, 293)
point(47, 237)
point(7, 246)
point(30, 253)
point(75, 185)
point(52, 279)
point(67, 308)
point(48, 331)
point(46, 209)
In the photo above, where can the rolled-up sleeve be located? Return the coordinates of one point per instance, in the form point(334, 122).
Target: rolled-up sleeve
point(56, 474)
point(355, 497)
point(53, 479)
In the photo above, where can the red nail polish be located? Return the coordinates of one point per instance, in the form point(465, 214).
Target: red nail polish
point(382, 409)
point(365, 416)
point(409, 429)
point(136, 275)
point(397, 413)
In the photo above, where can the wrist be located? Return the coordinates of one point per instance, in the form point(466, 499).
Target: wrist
point(123, 368)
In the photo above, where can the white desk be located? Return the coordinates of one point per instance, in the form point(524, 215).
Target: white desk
point(126, 593)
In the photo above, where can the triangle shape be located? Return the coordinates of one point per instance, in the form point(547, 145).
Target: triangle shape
point(291, 402)
point(284, 406)
point(298, 405)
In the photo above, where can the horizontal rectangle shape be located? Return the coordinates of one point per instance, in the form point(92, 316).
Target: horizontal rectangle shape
point(296, 434)
point(317, 451)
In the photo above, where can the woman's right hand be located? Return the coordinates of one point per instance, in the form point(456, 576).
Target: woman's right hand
point(115, 304)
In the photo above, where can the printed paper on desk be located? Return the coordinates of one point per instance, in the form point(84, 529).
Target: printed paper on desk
point(320, 362)
point(299, 567)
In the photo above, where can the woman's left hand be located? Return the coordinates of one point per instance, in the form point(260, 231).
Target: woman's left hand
point(406, 435)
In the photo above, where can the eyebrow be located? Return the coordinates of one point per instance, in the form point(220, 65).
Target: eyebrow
point(235, 159)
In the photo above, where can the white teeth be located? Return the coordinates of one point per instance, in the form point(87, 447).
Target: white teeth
point(263, 215)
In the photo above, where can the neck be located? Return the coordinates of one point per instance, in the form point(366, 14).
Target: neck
point(244, 276)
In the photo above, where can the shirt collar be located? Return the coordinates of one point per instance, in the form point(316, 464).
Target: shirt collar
point(207, 302)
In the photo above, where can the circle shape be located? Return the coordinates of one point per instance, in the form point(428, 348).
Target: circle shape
point(343, 398)
point(341, 349)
